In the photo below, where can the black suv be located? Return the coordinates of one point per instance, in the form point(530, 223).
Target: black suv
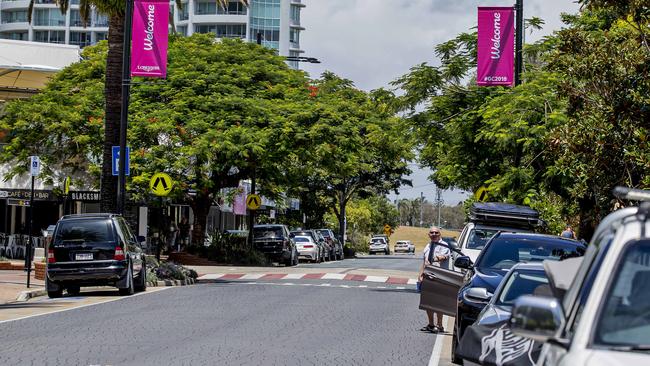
point(94, 250)
point(276, 243)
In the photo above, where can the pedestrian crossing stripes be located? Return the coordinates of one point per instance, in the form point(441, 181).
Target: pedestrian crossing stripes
point(308, 276)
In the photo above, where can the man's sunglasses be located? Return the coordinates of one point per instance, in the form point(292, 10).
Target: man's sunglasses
point(434, 232)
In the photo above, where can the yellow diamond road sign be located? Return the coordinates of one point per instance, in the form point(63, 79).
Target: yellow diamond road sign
point(161, 184)
point(253, 201)
point(481, 194)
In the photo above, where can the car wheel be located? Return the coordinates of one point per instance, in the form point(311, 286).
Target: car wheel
point(128, 290)
point(142, 278)
point(295, 258)
point(387, 252)
point(73, 290)
point(55, 294)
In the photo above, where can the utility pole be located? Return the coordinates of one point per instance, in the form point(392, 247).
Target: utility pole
point(519, 36)
point(421, 204)
point(439, 202)
point(126, 90)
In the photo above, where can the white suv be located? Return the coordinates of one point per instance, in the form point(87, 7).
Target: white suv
point(602, 315)
point(378, 245)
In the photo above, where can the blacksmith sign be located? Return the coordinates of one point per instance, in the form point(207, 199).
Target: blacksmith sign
point(86, 196)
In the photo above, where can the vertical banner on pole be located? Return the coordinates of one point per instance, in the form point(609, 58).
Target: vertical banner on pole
point(149, 38)
point(496, 35)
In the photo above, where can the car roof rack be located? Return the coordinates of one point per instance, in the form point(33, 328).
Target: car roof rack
point(634, 194)
point(90, 215)
point(504, 214)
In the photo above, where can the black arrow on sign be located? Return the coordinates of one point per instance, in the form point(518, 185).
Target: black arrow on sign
point(253, 200)
point(161, 181)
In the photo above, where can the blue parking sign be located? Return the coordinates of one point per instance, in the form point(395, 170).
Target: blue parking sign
point(115, 161)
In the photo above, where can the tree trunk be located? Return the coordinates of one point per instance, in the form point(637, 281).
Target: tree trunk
point(113, 95)
point(341, 217)
point(587, 226)
point(201, 208)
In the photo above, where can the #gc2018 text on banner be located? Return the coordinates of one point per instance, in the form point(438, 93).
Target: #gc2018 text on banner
point(496, 46)
point(149, 38)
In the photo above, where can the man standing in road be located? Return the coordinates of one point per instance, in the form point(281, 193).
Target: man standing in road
point(437, 251)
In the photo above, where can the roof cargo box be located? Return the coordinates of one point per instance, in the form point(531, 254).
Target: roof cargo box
point(504, 214)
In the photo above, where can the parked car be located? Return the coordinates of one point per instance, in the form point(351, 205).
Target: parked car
point(308, 248)
point(464, 295)
point(522, 279)
point(599, 312)
point(486, 219)
point(378, 245)
point(94, 250)
point(334, 242)
point(404, 246)
point(276, 243)
point(326, 250)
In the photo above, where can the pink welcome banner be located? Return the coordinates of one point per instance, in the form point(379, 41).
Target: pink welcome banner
point(149, 38)
point(496, 46)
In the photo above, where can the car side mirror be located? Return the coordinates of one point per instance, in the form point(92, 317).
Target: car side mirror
point(478, 294)
point(537, 318)
point(463, 262)
point(141, 239)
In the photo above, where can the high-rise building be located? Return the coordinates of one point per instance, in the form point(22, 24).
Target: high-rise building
point(276, 21)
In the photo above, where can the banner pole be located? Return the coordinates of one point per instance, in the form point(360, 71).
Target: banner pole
point(126, 90)
point(519, 36)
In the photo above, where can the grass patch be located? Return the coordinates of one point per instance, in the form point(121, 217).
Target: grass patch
point(417, 235)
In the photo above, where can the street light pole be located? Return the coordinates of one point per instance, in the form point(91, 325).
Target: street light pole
point(126, 90)
point(519, 36)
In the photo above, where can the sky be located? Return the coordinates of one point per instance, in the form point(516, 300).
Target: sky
point(372, 42)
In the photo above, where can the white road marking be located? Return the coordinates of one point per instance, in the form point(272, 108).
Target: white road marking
point(437, 346)
point(363, 286)
point(381, 279)
point(253, 276)
point(412, 281)
point(211, 276)
point(84, 306)
point(333, 276)
point(293, 276)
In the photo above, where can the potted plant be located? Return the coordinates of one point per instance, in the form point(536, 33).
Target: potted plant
point(39, 270)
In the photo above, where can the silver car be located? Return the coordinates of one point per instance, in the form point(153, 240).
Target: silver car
point(307, 248)
point(378, 245)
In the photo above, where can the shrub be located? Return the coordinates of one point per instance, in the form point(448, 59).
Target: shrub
point(3, 259)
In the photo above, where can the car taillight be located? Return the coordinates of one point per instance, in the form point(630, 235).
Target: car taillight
point(50, 256)
point(308, 246)
point(119, 254)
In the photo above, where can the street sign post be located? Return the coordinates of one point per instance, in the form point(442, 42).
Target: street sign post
point(387, 229)
point(115, 161)
point(34, 171)
point(481, 194)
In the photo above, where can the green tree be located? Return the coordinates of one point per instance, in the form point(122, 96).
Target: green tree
point(115, 9)
point(226, 109)
point(358, 146)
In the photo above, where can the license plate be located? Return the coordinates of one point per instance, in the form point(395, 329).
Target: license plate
point(83, 256)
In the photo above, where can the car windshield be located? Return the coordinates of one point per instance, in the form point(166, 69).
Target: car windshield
point(86, 231)
point(506, 251)
point(479, 237)
point(267, 232)
point(523, 282)
point(625, 318)
point(324, 233)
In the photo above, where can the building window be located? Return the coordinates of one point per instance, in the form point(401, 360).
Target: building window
point(295, 15)
point(294, 37)
point(49, 36)
point(19, 16)
point(235, 7)
point(101, 36)
point(17, 36)
point(75, 18)
point(100, 20)
point(223, 30)
point(205, 7)
point(51, 17)
point(82, 39)
point(182, 30)
point(265, 19)
point(293, 64)
point(184, 12)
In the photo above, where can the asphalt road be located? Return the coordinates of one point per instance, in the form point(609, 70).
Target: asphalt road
point(401, 262)
point(229, 323)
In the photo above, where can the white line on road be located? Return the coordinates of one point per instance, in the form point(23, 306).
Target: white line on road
point(376, 279)
point(253, 276)
point(412, 281)
point(211, 276)
point(293, 276)
point(437, 346)
point(333, 276)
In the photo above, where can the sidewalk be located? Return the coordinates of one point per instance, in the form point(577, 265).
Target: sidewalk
point(13, 283)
